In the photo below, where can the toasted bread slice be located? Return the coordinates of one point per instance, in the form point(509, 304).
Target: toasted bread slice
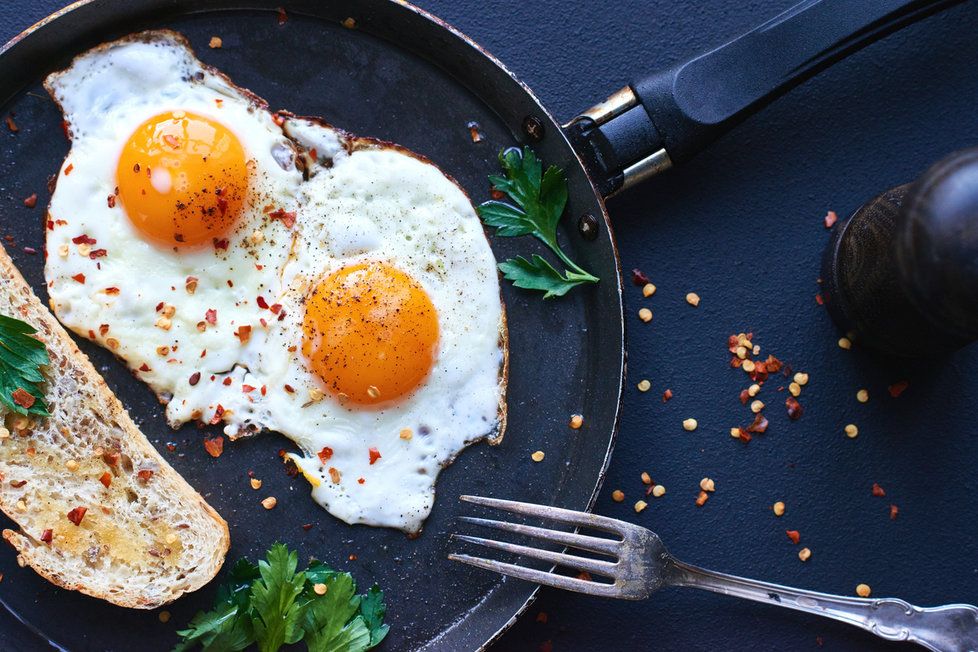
point(147, 537)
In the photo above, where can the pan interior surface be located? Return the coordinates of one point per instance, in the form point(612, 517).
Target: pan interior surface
point(566, 355)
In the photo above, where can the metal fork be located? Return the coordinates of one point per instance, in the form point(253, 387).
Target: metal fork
point(642, 565)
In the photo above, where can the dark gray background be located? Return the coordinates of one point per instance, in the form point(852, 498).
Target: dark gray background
point(741, 225)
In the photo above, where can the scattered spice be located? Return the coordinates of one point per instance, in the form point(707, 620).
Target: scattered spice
point(374, 455)
point(106, 479)
point(537, 456)
point(659, 491)
point(644, 385)
point(164, 617)
point(77, 514)
point(576, 421)
point(255, 484)
point(282, 16)
point(851, 431)
point(702, 498)
point(794, 408)
point(648, 290)
point(618, 495)
point(693, 299)
point(793, 535)
point(640, 506)
point(31, 201)
point(759, 425)
point(319, 588)
point(215, 43)
point(270, 502)
point(778, 508)
point(804, 554)
point(639, 278)
point(349, 23)
point(894, 510)
point(863, 590)
point(756, 406)
point(690, 424)
point(474, 134)
point(646, 478)
point(406, 433)
point(862, 396)
point(801, 378)
point(11, 125)
point(707, 484)
point(898, 388)
point(830, 219)
point(878, 490)
point(666, 395)
point(645, 315)
point(845, 343)
point(47, 536)
point(214, 446)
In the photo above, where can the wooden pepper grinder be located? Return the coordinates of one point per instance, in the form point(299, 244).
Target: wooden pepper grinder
point(902, 272)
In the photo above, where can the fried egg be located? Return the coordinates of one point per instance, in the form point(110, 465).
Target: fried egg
point(275, 273)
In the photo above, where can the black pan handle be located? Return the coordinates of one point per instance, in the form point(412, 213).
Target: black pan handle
point(671, 116)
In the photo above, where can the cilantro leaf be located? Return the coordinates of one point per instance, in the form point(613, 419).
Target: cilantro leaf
point(373, 610)
point(538, 274)
point(276, 612)
point(540, 199)
point(21, 357)
point(331, 622)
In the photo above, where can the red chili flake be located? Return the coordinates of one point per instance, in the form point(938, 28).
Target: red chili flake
point(878, 490)
point(262, 303)
point(759, 425)
point(31, 202)
point(77, 514)
point(352, 557)
point(214, 446)
point(144, 367)
point(290, 389)
point(772, 365)
point(11, 125)
point(111, 458)
point(79, 277)
point(103, 329)
point(243, 334)
point(112, 290)
point(264, 390)
point(221, 243)
point(282, 16)
point(275, 308)
point(819, 300)
point(83, 239)
point(736, 362)
point(110, 200)
point(64, 128)
point(898, 388)
point(50, 224)
point(279, 120)
point(170, 446)
point(194, 378)
point(247, 388)
point(227, 381)
point(307, 527)
point(325, 454)
point(794, 408)
point(106, 479)
point(496, 194)
point(374, 455)
point(639, 278)
point(91, 334)
point(542, 617)
point(666, 395)
point(171, 140)
point(211, 317)
point(793, 535)
point(145, 474)
point(361, 480)
point(222, 205)
point(830, 219)
point(71, 166)
point(97, 253)
point(744, 396)
point(46, 536)
point(17, 484)
point(288, 219)
point(30, 250)
point(23, 398)
point(894, 510)
point(218, 413)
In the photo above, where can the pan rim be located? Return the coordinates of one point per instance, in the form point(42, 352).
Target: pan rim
point(599, 199)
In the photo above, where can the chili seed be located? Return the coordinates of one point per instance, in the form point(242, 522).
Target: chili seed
point(406, 433)
point(707, 484)
point(618, 495)
point(753, 390)
point(851, 431)
point(804, 554)
point(863, 590)
point(215, 43)
point(693, 299)
point(801, 378)
point(644, 385)
point(648, 290)
point(778, 508)
point(164, 616)
point(659, 491)
point(690, 424)
point(756, 406)
point(255, 484)
point(537, 456)
point(748, 366)
point(269, 503)
point(646, 478)
point(845, 343)
point(794, 389)
point(640, 506)
point(645, 315)
point(71, 465)
point(576, 421)
point(320, 588)
point(862, 396)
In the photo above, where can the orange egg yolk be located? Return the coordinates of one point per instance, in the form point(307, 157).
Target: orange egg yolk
point(370, 333)
point(182, 179)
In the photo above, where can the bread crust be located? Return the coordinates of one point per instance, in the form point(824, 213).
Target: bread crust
point(158, 574)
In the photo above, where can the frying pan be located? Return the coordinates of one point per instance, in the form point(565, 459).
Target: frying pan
point(405, 76)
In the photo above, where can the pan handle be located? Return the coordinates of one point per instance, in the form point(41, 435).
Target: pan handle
point(667, 118)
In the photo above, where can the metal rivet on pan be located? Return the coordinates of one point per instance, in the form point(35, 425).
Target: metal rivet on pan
point(533, 127)
point(588, 226)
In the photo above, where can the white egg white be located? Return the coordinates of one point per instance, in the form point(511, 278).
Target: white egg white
point(361, 201)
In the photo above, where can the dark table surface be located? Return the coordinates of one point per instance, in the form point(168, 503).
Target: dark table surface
point(742, 226)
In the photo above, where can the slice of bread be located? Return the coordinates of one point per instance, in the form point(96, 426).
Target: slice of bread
point(147, 537)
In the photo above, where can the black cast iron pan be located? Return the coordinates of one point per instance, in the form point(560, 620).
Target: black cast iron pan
point(405, 76)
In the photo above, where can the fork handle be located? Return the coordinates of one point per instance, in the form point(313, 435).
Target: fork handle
point(949, 628)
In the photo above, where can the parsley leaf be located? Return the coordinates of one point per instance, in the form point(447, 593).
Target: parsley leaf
point(540, 198)
point(271, 605)
point(21, 357)
point(273, 600)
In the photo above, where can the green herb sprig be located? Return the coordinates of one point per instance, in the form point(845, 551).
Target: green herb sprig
point(540, 199)
point(272, 605)
point(21, 359)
